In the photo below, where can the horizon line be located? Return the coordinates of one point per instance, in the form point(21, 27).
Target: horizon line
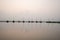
point(7, 21)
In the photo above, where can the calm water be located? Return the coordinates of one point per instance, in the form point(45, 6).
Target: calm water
point(31, 31)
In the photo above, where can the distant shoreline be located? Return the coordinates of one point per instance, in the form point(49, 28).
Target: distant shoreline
point(30, 21)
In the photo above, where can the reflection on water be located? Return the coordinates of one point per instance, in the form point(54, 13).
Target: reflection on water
point(29, 31)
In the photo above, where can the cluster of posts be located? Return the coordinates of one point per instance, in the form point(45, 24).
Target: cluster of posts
point(31, 21)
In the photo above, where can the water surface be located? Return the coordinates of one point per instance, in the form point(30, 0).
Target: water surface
point(29, 31)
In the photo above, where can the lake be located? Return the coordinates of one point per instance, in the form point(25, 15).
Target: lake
point(30, 31)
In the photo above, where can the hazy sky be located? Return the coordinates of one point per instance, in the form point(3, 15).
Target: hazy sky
point(29, 9)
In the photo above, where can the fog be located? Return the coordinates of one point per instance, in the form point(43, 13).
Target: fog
point(30, 10)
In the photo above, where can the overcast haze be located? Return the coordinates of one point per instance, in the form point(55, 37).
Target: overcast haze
point(15, 9)
point(29, 10)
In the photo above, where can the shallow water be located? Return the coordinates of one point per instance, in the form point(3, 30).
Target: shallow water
point(29, 31)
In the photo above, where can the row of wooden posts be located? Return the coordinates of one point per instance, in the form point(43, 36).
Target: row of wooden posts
point(31, 21)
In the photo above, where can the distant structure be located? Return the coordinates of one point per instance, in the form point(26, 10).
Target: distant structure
point(31, 21)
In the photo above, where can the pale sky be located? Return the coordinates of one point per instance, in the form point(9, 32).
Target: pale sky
point(29, 9)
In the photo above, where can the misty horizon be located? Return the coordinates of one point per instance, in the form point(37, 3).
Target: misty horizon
point(29, 19)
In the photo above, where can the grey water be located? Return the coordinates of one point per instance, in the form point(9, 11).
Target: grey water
point(30, 31)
